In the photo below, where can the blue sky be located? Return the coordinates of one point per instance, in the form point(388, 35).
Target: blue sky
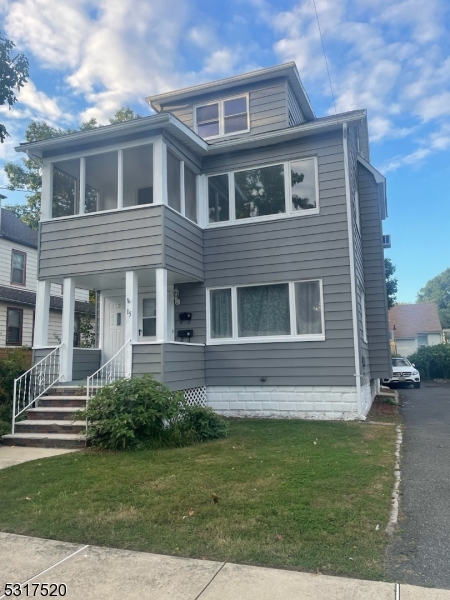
point(88, 59)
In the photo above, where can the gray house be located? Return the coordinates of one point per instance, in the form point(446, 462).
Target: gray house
point(235, 240)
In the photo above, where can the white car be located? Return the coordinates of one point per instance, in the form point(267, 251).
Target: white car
point(403, 372)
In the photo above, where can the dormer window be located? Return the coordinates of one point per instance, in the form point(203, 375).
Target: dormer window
point(222, 118)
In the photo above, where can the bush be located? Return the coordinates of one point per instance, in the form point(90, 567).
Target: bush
point(140, 413)
point(432, 362)
point(12, 366)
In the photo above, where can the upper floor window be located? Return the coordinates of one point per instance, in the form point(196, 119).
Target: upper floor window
point(18, 267)
point(285, 188)
point(181, 187)
point(223, 117)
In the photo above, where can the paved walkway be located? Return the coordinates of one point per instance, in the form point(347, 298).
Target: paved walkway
point(420, 552)
point(14, 455)
point(90, 572)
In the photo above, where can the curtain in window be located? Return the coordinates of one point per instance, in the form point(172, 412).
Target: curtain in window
point(263, 310)
point(220, 309)
point(308, 307)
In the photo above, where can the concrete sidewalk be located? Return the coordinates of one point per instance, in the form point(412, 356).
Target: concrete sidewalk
point(91, 572)
point(14, 455)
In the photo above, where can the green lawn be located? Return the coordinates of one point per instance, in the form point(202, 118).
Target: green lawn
point(294, 494)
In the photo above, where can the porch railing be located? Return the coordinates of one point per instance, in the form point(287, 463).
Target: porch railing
point(30, 386)
point(117, 367)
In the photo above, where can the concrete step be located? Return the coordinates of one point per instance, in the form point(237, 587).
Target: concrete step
point(50, 426)
point(69, 390)
point(49, 413)
point(54, 400)
point(45, 440)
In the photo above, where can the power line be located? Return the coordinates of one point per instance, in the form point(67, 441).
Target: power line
point(325, 55)
point(14, 190)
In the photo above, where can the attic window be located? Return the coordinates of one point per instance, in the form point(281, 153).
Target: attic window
point(222, 118)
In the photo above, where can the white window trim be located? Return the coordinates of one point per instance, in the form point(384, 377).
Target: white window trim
point(292, 337)
point(220, 102)
point(289, 212)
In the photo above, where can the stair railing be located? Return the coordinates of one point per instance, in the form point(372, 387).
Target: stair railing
point(117, 367)
point(30, 386)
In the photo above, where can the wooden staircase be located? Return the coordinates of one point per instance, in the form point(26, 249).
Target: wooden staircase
point(50, 424)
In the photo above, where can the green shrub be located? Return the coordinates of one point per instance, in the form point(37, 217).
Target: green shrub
point(140, 412)
point(12, 366)
point(432, 362)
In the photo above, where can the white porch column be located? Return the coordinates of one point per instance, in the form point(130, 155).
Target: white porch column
point(159, 171)
point(41, 315)
point(68, 316)
point(161, 305)
point(131, 319)
point(46, 195)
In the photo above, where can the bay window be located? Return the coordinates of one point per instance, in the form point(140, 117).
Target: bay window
point(284, 189)
point(269, 312)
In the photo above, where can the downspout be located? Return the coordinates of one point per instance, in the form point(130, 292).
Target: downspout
point(352, 272)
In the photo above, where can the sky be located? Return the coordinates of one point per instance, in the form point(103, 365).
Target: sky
point(87, 59)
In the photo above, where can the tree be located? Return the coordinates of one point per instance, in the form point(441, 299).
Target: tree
point(438, 290)
point(29, 175)
point(391, 282)
point(13, 75)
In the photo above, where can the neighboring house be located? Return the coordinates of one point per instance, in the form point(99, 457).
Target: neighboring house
point(413, 326)
point(18, 280)
point(236, 243)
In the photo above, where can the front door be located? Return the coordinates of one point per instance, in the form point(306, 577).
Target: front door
point(114, 327)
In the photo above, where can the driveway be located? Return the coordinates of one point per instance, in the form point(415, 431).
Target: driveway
point(420, 551)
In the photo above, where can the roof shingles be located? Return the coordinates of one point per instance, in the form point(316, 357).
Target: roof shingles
point(412, 319)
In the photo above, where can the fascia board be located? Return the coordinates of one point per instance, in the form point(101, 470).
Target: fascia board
point(105, 133)
point(380, 180)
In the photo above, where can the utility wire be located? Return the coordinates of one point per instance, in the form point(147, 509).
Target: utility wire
point(14, 190)
point(325, 55)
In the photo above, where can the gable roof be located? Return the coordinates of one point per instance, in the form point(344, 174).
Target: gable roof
point(412, 319)
point(288, 70)
point(12, 228)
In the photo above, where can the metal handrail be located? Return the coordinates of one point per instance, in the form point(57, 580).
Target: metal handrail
point(116, 368)
point(30, 386)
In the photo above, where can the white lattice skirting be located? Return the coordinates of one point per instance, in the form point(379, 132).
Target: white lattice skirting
point(298, 402)
point(195, 396)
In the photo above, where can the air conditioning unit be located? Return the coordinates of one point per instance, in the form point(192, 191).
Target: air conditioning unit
point(387, 241)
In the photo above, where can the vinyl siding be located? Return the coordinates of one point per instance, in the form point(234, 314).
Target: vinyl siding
point(193, 300)
point(183, 245)
point(267, 106)
point(85, 362)
point(147, 360)
point(307, 247)
point(364, 356)
point(375, 281)
point(184, 366)
point(101, 243)
point(294, 111)
point(54, 327)
point(6, 247)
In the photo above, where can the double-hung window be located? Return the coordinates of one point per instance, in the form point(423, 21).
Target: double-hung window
point(14, 325)
point(224, 117)
point(18, 267)
point(267, 312)
point(287, 188)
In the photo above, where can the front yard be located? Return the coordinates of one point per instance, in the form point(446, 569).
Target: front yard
point(294, 494)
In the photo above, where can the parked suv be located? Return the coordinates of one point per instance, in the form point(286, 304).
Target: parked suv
point(403, 372)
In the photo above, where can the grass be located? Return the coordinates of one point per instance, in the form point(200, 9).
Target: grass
point(292, 494)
